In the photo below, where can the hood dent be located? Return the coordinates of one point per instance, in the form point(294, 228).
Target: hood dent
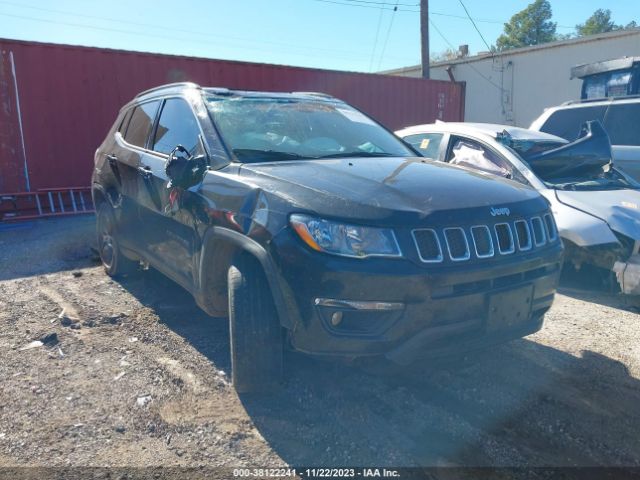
point(388, 189)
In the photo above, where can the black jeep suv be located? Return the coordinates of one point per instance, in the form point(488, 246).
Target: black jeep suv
point(314, 228)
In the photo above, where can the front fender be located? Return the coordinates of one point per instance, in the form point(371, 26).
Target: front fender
point(215, 236)
point(581, 228)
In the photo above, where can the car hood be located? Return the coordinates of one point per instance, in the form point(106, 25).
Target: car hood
point(389, 189)
point(619, 208)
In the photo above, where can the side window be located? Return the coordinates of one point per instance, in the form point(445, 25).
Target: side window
point(140, 124)
point(472, 154)
point(623, 124)
point(428, 144)
point(177, 126)
point(566, 123)
point(125, 121)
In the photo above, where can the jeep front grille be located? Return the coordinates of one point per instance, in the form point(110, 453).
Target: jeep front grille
point(537, 227)
point(482, 241)
point(506, 244)
point(459, 244)
point(428, 244)
point(550, 223)
point(523, 234)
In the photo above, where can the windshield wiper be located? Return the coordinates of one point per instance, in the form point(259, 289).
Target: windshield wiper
point(256, 155)
point(358, 154)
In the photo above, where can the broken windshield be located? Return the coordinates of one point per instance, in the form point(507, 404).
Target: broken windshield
point(267, 129)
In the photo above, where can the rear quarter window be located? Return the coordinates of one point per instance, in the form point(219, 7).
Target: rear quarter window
point(566, 122)
point(623, 124)
point(140, 124)
point(124, 121)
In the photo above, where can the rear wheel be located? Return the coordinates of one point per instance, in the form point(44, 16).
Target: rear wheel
point(113, 261)
point(255, 331)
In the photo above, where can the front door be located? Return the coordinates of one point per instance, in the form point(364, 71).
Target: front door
point(170, 229)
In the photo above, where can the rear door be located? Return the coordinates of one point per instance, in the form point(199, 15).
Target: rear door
point(622, 123)
point(124, 160)
point(169, 224)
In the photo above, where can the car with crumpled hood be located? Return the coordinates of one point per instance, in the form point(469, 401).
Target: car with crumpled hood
point(596, 206)
point(313, 228)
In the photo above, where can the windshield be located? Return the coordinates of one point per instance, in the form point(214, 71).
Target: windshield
point(605, 178)
point(262, 129)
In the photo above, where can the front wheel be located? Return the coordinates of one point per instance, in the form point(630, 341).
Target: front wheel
point(113, 261)
point(255, 331)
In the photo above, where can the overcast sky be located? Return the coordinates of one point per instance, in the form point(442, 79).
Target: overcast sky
point(360, 35)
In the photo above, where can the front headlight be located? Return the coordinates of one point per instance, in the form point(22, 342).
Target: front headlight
point(345, 240)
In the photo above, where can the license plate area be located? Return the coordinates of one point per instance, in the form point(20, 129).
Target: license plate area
point(509, 308)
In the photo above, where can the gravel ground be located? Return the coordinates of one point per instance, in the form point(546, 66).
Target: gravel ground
point(132, 373)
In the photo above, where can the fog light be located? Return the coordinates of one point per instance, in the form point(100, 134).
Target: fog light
point(336, 318)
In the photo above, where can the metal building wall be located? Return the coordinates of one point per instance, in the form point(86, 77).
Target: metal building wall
point(515, 86)
point(69, 97)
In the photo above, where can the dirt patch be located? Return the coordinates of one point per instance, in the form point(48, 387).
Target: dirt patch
point(143, 381)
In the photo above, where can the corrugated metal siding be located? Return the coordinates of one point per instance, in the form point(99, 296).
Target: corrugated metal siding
point(11, 155)
point(69, 97)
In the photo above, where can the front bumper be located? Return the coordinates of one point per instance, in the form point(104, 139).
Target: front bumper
point(405, 310)
point(628, 275)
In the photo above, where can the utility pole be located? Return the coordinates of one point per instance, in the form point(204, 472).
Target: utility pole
point(424, 36)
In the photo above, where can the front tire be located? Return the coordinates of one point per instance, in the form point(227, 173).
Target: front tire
point(114, 262)
point(255, 331)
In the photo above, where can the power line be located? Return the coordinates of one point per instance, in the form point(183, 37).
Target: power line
point(163, 28)
point(336, 2)
point(391, 4)
point(386, 40)
point(375, 43)
point(163, 36)
point(475, 26)
point(385, 5)
point(435, 27)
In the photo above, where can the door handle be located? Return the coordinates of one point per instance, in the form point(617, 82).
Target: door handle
point(113, 164)
point(145, 171)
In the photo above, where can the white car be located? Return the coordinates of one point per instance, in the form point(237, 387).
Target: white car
point(596, 207)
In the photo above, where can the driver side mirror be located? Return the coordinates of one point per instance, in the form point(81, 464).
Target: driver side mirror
point(183, 169)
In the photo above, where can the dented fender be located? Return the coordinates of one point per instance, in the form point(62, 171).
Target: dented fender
point(579, 227)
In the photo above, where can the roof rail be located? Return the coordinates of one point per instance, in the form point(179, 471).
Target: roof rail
point(219, 90)
point(601, 99)
point(314, 94)
point(168, 85)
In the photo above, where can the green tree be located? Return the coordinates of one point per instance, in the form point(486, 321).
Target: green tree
point(531, 26)
point(599, 22)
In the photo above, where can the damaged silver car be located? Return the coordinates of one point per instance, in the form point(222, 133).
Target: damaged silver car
point(596, 206)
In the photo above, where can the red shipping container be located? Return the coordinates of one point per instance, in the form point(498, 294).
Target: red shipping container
point(58, 101)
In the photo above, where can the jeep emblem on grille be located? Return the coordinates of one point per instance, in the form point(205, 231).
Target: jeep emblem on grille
point(500, 211)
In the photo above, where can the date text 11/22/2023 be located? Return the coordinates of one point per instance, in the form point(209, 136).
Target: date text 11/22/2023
point(315, 473)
